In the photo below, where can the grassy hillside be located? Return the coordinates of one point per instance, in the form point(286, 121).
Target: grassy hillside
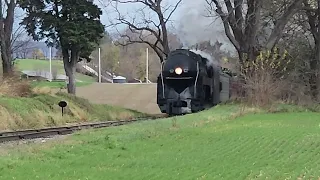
point(214, 144)
point(33, 65)
point(41, 109)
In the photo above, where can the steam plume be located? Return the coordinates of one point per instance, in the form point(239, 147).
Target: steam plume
point(210, 60)
point(194, 27)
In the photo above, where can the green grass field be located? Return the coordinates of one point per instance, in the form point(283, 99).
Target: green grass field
point(33, 64)
point(57, 84)
point(209, 145)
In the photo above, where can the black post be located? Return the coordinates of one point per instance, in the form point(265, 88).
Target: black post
point(62, 104)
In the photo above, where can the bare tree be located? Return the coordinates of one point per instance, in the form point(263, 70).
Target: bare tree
point(21, 42)
point(312, 11)
point(23, 48)
point(145, 26)
point(242, 28)
point(6, 28)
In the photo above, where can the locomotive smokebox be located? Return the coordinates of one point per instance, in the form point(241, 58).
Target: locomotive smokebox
point(179, 60)
point(187, 82)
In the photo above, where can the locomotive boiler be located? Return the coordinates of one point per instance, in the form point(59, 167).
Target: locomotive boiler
point(189, 82)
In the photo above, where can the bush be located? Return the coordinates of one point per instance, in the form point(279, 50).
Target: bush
point(267, 78)
point(15, 86)
point(271, 78)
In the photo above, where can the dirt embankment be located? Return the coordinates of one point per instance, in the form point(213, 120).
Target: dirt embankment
point(141, 97)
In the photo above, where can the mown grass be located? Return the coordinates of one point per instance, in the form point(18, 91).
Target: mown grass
point(57, 84)
point(214, 144)
point(42, 110)
point(33, 64)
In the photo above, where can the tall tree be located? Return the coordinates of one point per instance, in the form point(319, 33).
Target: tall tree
point(146, 26)
point(20, 43)
point(312, 11)
point(243, 28)
point(73, 26)
point(6, 28)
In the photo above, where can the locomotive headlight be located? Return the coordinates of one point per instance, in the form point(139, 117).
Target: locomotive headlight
point(178, 70)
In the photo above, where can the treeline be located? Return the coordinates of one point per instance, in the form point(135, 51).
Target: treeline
point(280, 36)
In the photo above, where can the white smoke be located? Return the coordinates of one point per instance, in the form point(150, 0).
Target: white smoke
point(193, 27)
point(210, 60)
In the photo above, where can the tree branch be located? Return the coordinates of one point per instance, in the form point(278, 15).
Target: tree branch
point(245, 31)
point(281, 23)
point(146, 24)
point(224, 18)
point(312, 19)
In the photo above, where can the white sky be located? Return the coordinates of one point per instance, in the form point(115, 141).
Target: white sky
point(188, 21)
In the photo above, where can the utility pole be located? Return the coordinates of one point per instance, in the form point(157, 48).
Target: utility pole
point(99, 65)
point(147, 65)
point(50, 60)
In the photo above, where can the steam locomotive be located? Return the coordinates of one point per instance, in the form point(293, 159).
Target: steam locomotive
point(189, 82)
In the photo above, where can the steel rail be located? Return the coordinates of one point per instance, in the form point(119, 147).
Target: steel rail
point(63, 130)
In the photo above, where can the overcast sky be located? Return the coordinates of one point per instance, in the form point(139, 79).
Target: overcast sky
point(188, 21)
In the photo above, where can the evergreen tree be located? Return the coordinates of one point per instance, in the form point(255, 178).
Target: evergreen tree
point(72, 26)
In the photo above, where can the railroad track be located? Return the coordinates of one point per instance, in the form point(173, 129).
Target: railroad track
point(63, 130)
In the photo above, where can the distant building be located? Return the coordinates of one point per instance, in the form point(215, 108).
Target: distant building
point(119, 79)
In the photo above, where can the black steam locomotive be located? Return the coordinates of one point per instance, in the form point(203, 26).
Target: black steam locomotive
point(189, 83)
